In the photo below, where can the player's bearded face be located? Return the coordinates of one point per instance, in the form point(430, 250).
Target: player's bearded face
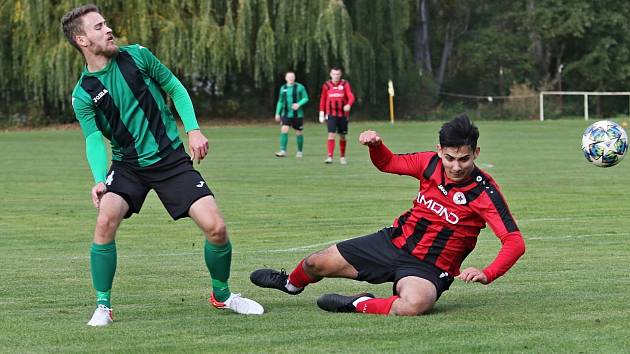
point(98, 37)
point(458, 162)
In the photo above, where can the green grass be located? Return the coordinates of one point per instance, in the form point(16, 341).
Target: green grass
point(569, 293)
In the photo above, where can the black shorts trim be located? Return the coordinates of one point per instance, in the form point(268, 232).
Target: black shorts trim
point(378, 261)
point(295, 122)
point(175, 181)
point(337, 125)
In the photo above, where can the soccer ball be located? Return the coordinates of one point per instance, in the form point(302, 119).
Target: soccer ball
point(604, 143)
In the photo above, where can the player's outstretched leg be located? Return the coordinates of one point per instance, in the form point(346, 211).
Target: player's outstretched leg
point(342, 303)
point(292, 284)
point(273, 279)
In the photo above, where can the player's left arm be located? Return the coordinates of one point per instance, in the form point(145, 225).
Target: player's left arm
point(349, 95)
point(494, 210)
point(197, 143)
point(303, 96)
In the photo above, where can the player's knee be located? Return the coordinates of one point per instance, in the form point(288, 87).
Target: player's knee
point(315, 264)
point(106, 223)
point(413, 307)
point(216, 232)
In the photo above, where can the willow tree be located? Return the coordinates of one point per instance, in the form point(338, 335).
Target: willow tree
point(238, 44)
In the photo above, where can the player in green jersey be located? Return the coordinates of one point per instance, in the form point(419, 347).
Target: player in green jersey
point(118, 97)
point(289, 110)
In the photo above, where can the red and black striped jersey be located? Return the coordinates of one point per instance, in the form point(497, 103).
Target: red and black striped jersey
point(334, 97)
point(442, 226)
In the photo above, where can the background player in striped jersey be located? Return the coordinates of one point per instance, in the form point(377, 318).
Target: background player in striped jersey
point(334, 108)
point(422, 251)
point(289, 110)
point(118, 97)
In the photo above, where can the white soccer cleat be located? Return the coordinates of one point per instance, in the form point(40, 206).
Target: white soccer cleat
point(281, 153)
point(299, 154)
point(343, 161)
point(102, 317)
point(238, 304)
point(328, 160)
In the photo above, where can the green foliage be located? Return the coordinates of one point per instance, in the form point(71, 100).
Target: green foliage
point(243, 46)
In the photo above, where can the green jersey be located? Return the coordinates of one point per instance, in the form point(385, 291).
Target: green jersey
point(288, 96)
point(124, 102)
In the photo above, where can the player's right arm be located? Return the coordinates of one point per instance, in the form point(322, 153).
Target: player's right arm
point(95, 150)
point(322, 103)
point(279, 104)
point(386, 161)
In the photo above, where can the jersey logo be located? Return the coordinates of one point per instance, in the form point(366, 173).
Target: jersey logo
point(443, 275)
point(442, 189)
point(459, 198)
point(110, 179)
point(99, 96)
point(438, 208)
point(200, 184)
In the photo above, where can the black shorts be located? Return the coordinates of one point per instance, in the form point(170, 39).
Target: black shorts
point(295, 122)
point(173, 178)
point(337, 125)
point(379, 261)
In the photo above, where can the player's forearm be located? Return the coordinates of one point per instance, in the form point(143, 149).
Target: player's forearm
point(96, 155)
point(512, 248)
point(381, 157)
point(279, 107)
point(183, 103)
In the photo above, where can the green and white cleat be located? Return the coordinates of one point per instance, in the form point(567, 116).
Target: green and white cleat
point(328, 160)
point(102, 317)
point(299, 155)
point(281, 153)
point(238, 304)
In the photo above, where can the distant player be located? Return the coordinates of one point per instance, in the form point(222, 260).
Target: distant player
point(422, 251)
point(334, 108)
point(118, 97)
point(289, 110)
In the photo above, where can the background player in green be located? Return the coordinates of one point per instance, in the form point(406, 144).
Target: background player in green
point(289, 110)
point(118, 97)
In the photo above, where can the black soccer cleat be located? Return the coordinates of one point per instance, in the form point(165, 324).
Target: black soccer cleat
point(339, 303)
point(273, 279)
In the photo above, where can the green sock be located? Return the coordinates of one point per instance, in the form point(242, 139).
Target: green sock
point(103, 268)
point(300, 142)
point(218, 261)
point(284, 138)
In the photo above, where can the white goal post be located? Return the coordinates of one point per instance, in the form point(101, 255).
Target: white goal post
point(578, 93)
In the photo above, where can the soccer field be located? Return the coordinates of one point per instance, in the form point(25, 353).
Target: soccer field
point(569, 293)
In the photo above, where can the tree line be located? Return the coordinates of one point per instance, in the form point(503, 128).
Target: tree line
point(232, 54)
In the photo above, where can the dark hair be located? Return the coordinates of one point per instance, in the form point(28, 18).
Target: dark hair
point(459, 132)
point(289, 71)
point(72, 24)
point(336, 68)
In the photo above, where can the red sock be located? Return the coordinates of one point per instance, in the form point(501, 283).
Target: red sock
point(299, 278)
point(331, 147)
point(376, 306)
point(342, 147)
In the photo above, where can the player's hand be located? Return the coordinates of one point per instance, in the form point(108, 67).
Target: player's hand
point(370, 138)
point(473, 275)
point(97, 193)
point(346, 108)
point(277, 118)
point(322, 117)
point(295, 106)
point(197, 145)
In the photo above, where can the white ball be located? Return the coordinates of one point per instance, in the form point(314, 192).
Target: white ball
point(604, 143)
